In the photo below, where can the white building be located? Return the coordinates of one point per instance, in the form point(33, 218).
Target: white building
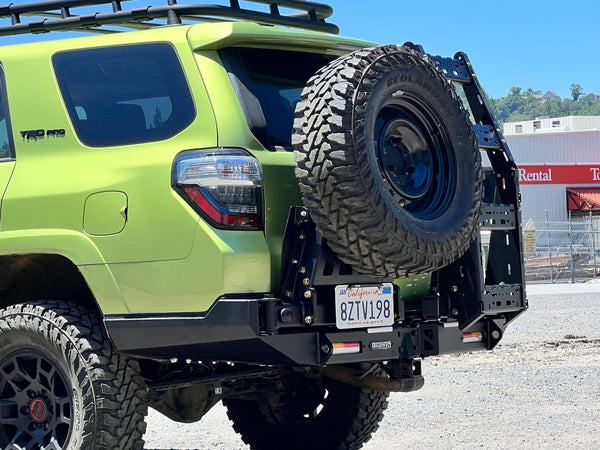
point(559, 165)
point(553, 125)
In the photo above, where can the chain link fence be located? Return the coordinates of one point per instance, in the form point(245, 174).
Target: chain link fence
point(564, 251)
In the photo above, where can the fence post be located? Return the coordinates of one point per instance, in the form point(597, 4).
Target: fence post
point(549, 251)
point(593, 237)
point(571, 248)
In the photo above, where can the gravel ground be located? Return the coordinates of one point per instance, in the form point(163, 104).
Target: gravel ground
point(540, 388)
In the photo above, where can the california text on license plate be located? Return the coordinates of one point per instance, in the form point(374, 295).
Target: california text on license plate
point(364, 306)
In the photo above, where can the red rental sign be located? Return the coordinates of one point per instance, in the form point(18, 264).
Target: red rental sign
point(560, 174)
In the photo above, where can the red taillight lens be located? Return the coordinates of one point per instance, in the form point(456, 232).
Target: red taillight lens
point(217, 214)
point(224, 185)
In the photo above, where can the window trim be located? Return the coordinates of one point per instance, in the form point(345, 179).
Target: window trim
point(9, 130)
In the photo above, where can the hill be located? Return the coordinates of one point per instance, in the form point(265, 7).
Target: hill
point(527, 105)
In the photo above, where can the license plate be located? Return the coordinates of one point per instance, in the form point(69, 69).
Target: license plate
point(364, 306)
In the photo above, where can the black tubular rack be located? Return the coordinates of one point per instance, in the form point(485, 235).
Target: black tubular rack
point(61, 15)
point(502, 283)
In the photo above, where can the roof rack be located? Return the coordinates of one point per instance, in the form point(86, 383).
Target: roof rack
point(57, 15)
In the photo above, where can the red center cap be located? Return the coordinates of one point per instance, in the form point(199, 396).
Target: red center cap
point(38, 410)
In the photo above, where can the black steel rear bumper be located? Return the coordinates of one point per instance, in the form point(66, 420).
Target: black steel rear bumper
point(231, 331)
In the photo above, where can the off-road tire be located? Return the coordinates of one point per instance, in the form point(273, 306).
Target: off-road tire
point(388, 163)
point(62, 385)
point(347, 419)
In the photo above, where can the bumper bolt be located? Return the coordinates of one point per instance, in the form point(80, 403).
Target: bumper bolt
point(286, 315)
point(308, 320)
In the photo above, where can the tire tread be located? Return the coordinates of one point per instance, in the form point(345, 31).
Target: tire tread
point(339, 192)
point(113, 391)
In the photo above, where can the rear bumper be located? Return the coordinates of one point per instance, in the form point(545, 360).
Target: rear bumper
point(231, 331)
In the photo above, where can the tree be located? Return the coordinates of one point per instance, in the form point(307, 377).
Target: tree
point(515, 90)
point(524, 105)
point(529, 92)
point(157, 120)
point(551, 108)
point(576, 91)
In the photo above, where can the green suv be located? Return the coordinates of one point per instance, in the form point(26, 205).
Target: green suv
point(250, 209)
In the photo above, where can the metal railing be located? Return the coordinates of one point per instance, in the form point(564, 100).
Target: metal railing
point(75, 15)
point(565, 251)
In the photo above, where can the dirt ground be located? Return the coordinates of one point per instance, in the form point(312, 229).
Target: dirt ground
point(540, 388)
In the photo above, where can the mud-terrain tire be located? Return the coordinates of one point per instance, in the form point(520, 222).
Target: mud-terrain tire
point(388, 163)
point(62, 385)
point(327, 416)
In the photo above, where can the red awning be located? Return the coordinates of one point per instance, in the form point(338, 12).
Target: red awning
point(583, 199)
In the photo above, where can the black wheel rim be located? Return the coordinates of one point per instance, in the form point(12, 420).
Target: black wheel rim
point(414, 156)
point(36, 404)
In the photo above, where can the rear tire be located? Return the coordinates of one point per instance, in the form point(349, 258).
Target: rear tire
point(62, 385)
point(313, 414)
point(388, 163)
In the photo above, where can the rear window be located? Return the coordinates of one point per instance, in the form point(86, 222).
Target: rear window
point(125, 94)
point(269, 83)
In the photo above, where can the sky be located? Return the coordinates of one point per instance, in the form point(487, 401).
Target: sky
point(543, 45)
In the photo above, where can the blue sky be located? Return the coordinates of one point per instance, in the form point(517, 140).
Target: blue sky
point(545, 45)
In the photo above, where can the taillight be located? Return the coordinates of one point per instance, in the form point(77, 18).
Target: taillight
point(224, 185)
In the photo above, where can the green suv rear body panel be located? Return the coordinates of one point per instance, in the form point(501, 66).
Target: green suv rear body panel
point(111, 210)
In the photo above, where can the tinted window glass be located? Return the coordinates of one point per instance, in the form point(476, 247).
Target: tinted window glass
point(269, 83)
point(126, 94)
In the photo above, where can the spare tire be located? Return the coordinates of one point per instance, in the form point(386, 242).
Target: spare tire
point(388, 163)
